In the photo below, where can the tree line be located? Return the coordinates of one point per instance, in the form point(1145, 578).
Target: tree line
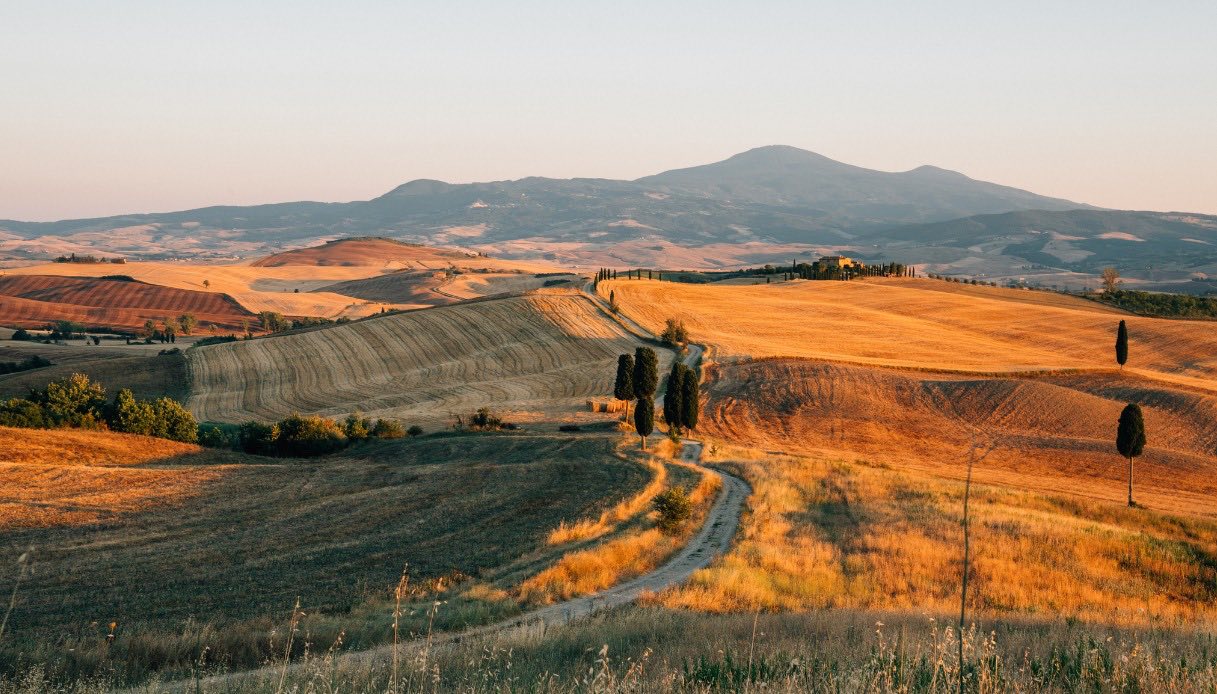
point(300, 436)
point(79, 403)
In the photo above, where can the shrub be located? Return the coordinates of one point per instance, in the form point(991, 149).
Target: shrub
point(674, 509)
point(130, 416)
point(390, 429)
point(174, 422)
point(674, 333)
point(22, 335)
point(31, 362)
point(309, 436)
point(415, 430)
point(19, 412)
point(356, 427)
point(74, 401)
point(215, 437)
point(485, 420)
point(258, 438)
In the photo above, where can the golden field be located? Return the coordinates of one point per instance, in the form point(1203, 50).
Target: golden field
point(915, 323)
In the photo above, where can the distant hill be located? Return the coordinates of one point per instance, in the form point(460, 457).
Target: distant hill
point(360, 252)
point(769, 204)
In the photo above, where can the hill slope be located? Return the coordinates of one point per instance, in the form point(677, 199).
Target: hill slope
point(364, 251)
point(35, 300)
point(535, 357)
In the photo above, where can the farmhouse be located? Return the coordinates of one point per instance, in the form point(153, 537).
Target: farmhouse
point(839, 261)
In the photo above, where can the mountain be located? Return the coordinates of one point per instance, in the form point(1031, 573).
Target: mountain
point(769, 204)
point(794, 178)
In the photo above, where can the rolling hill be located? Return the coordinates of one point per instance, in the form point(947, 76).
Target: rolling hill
point(120, 303)
point(356, 252)
point(532, 358)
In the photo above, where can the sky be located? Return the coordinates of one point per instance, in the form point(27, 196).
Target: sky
point(129, 106)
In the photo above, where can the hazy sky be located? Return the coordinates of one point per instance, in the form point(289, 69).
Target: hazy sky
point(112, 107)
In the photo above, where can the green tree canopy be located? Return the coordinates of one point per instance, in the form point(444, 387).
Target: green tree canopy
point(644, 419)
point(646, 372)
point(623, 388)
point(1122, 344)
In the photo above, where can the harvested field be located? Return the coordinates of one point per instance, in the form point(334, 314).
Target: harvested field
point(255, 288)
point(36, 300)
point(917, 324)
point(1053, 433)
point(220, 544)
point(532, 358)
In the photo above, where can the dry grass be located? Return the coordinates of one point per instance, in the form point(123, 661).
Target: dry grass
point(533, 358)
point(820, 532)
point(219, 545)
point(637, 550)
point(592, 528)
point(913, 324)
point(74, 478)
point(139, 368)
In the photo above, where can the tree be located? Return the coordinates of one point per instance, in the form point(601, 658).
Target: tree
point(1122, 344)
point(644, 419)
point(1130, 439)
point(173, 422)
point(130, 416)
point(646, 372)
point(206, 284)
point(672, 406)
point(674, 333)
point(623, 388)
point(613, 301)
point(689, 405)
point(74, 401)
point(1111, 280)
point(273, 322)
point(188, 322)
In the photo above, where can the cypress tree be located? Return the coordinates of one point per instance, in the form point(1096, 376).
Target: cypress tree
point(690, 407)
point(614, 274)
point(672, 406)
point(1130, 439)
point(1122, 344)
point(646, 372)
point(644, 419)
point(623, 388)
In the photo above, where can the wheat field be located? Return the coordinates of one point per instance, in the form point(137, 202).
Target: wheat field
point(531, 358)
point(917, 324)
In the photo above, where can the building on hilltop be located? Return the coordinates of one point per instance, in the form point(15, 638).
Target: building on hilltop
point(839, 261)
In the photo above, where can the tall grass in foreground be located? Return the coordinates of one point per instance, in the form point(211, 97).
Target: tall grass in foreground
point(657, 650)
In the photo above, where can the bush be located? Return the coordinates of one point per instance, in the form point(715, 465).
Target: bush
point(22, 335)
point(415, 430)
point(674, 509)
point(309, 436)
point(172, 421)
point(258, 438)
point(74, 401)
point(215, 437)
point(485, 420)
point(356, 427)
point(674, 333)
point(389, 429)
point(19, 412)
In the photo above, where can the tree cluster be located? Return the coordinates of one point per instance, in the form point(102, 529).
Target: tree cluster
point(77, 402)
point(303, 436)
point(674, 334)
point(682, 398)
point(1161, 305)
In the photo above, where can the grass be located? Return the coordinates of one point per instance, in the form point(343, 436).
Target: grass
point(191, 551)
point(822, 532)
point(644, 650)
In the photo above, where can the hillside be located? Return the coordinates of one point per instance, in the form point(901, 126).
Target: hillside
point(141, 368)
point(36, 300)
point(536, 357)
point(380, 252)
point(901, 371)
